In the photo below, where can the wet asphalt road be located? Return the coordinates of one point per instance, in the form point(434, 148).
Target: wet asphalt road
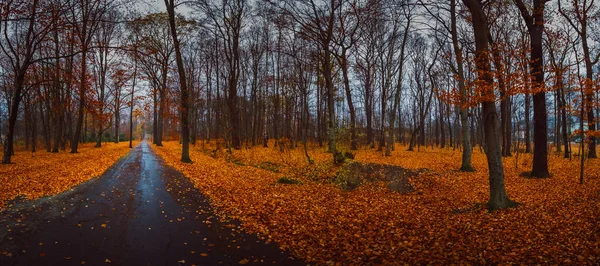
point(140, 212)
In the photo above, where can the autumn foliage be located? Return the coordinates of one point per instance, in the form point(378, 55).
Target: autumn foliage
point(443, 221)
point(35, 175)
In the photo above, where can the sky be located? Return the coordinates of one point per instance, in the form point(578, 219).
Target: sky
point(159, 6)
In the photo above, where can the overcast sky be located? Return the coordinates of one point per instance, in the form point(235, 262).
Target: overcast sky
point(159, 6)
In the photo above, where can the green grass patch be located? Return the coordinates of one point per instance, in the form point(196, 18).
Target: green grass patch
point(288, 181)
point(269, 166)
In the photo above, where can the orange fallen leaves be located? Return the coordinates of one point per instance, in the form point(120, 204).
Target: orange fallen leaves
point(42, 174)
point(442, 222)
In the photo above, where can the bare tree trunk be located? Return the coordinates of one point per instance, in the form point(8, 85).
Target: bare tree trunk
point(82, 91)
point(12, 118)
point(155, 114)
point(184, 116)
point(396, 103)
point(535, 25)
point(344, 66)
point(330, 103)
point(131, 104)
point(466, 165)
point(162, 107)
point(491, 124)
point(563, 113)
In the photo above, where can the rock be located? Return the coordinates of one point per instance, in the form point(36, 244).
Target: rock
point(401, 186)
point(354, 174)
point(349, 176)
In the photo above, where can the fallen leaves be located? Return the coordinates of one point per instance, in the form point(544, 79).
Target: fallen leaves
point(445, 220)
point(52, 173)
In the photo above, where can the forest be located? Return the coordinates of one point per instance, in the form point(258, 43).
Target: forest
point(348, 132)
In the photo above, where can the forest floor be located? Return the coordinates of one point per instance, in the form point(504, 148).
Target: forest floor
point(139, 212)
point(441, 219)
point(39, 174)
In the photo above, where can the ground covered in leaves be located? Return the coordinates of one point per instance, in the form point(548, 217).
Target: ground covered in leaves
point(39, 174)
point(279, 196)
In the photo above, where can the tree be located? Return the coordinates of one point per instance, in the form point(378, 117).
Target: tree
point(29, 28)
point(436, 9)
point(535, 24)
point(227, 22)
point(580, 13)
point(407, 10)
point(425, 80)
point(184, 116)
point(491, 124)
point(365, 64)
point(103, 37)
point(346, 37)
point(558, 45)
point(466, 165)
point(135, 55)
point(86, 15)
point(156, 49)
point(316, 21)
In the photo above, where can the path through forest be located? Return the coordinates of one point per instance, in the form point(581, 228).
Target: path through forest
point(140, 212)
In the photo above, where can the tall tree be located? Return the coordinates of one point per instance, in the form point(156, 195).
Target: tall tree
point(365, 65)
point(103, 37)
point(491, 122)
point(316, 21)
point(346, 37)
point(436, 9)
point(156, 51)
point(534, 20)
point(183, 113)
point(227, 19)
point(558, 46)
point(86, 15)
point(24, 19)
point(407, 12)
point(466, 164)
point(578, 15)
point(134, 54)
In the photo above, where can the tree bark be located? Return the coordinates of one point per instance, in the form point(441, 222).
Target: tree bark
point(396, 103)
point(12, 118)
point(344, 66)
point(131, 104)
point(535, 25)
point(184, 116)
point(491, 126)
point(466, 165)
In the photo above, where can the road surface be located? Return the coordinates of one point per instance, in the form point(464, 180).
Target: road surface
point(140, 212)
